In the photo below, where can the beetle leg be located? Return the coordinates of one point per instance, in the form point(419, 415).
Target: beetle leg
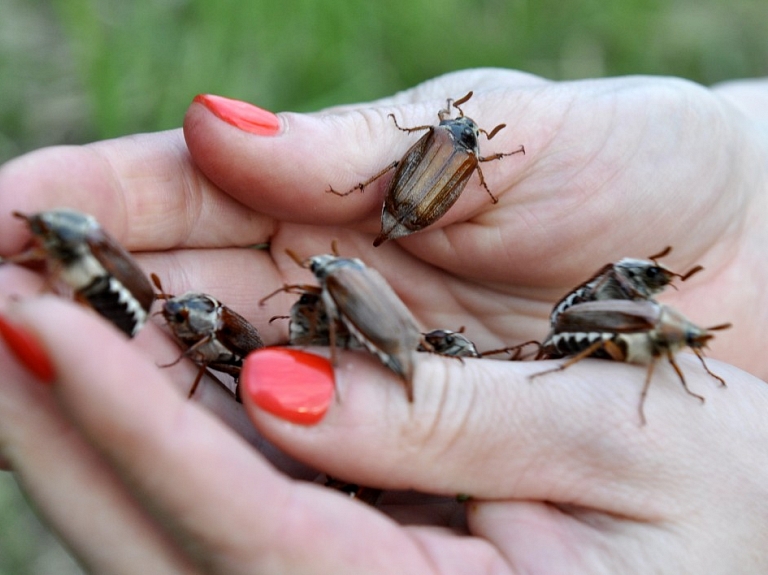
point(290, 288)
point(494, 199)
point(575, 359)
point(516, 351)
point(361, 186)
point(520, 150)
point(189, 351)
point(614, 351)
point(409, 130)
point(32, 255)
point(193, 389)
point(701, 359)
point(671, 358)
point(644, 392)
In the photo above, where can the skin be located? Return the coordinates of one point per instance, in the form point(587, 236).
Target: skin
point(563, 477)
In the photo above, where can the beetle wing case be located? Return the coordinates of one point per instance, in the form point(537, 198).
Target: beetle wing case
point(120, 264)
point(237, 334)
point(616, 316)
point(427, 182)
point(374, 313)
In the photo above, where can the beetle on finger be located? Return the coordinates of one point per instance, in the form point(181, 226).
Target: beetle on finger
point(433, 173)
point(79, 253)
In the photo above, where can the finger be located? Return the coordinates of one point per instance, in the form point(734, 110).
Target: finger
point(143, 189)
point(220, 501)
point(483, 428)
point(215, 391)
point(76, 493)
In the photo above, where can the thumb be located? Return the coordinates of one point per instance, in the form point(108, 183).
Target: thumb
point(281, 165)
point(483, 427)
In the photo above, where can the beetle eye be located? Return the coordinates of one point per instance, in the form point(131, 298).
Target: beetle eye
point(653, 272)
point(180, 316)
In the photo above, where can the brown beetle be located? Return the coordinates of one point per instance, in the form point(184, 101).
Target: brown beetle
point(362, 301)
point(214, 336)
point(630, 331)
point(628, 278)
point(100, 272)
point(432, 174)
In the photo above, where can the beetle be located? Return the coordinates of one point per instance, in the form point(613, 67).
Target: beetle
point(450, 343)
point(629, 278)
point(431, 175)
point(101, 274)
point(213, 335)
point(308, 320)
point(627, 330)
point(360, 299)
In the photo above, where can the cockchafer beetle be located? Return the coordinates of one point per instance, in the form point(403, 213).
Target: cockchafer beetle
point(214, 336)
point(308, 320)
point(100, 272)
point(628, 278)
point(431, 175)
point(630, 331)
point(450, 343)
point(309, 326)
point(361, 300)
point(456, 344)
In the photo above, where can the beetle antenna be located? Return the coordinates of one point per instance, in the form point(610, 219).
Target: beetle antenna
point(493, 132)
point(661, 254)
point(690, 272)
point(461, 101)
point(295, 257)
point(159, 286)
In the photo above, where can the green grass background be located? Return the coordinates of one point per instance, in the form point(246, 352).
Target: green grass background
point(74, 71)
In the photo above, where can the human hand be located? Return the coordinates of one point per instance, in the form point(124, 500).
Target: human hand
point(588, 475)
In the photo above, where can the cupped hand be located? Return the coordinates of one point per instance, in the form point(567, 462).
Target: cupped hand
point(561, 474)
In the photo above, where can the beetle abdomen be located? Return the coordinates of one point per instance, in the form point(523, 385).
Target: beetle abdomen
point(113, 301)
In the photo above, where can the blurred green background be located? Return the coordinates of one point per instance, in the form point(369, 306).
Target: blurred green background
point(74, 71)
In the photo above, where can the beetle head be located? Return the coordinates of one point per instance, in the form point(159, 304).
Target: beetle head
point(464, 132)
point(192, 314)
point(62, 231)
point(647, 277)
point(321, 265)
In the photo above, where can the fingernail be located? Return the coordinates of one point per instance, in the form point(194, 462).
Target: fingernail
point(294, 385)
point(27, 350)
point(243, 115)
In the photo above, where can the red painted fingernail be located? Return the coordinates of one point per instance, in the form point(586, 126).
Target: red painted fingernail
point(243, 115)
point(27, 350)
point(294, 385)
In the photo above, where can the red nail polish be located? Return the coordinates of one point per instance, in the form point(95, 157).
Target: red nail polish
point(294, 385)
point(243, 115)
point(27, 350)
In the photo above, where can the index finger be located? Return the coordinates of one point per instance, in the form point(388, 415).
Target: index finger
point(145, 190)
